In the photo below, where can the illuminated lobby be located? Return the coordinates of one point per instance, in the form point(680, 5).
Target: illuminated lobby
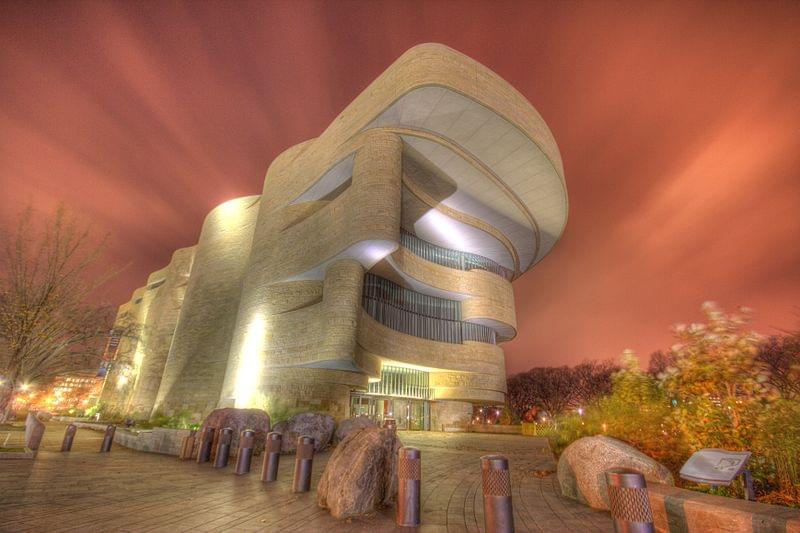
point(372, 275)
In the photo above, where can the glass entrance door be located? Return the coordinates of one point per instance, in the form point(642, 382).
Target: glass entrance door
point(408, 413)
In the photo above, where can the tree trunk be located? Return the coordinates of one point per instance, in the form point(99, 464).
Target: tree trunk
point(6, 395)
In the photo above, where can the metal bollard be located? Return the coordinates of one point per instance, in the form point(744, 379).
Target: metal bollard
point(108, 438)
point(272, 455)
point(187, 446)
point(498, 513)
point(223, 448)
point(409, 473)
point(206, 441)
point(247, 439)
point(628, 501)
point(69, 436)
point(303, 463)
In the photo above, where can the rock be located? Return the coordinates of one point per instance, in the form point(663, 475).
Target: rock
point(361, 474)
point(349, 425)
point(44, 416)
point(238, 419)
point(314, 425)
point(34, 432)
point(582, 467)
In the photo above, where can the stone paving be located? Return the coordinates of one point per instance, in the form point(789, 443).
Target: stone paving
point(132, 491)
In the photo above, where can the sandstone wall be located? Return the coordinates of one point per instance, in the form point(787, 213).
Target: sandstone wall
point(301, 297)
point(195, 365)
point(159, 328)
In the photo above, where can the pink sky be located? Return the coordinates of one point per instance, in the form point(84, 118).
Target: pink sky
point(678, 123)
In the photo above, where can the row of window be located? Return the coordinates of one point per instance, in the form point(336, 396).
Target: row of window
point(420, 315)
point(383, 290)
point(400, 381)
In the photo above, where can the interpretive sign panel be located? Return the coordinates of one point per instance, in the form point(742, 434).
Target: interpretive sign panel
point(714, 466)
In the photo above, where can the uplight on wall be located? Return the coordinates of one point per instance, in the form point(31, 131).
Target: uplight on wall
point(251, 363)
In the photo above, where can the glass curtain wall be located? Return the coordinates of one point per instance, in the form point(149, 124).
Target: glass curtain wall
point(402, 394)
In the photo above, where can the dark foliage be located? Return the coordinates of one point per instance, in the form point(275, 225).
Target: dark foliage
point(781, 354)
point(556, 389)
point(659, 362)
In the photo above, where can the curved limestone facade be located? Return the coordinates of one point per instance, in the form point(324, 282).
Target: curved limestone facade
point(373, 273)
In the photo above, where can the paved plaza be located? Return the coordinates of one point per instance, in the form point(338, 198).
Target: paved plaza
point(127, 490)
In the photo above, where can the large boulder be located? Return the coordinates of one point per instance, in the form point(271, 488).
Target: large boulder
point(582, 467)
point(34, 432)
point(361, 475)
point(346, 427)
point(314, 425)
point(238, 419)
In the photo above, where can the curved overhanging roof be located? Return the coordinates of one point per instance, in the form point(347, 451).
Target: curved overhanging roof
point(500, 175)
point(490, 165)
point(464, 122)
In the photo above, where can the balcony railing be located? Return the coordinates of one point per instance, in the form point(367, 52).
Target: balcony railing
point(452, 258)
point(420, 315)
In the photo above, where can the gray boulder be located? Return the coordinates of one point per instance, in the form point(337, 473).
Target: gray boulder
point(238, 419)
point(361, 475)
point(582, 467)
point(346, 427)
point(34, 432)
point(314, 425)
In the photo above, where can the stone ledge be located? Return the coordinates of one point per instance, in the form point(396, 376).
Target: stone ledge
point(677, 510)
point(156, 440)
point(25, 453)
point(504, 429)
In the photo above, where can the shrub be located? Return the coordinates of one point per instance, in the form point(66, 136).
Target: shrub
point(278, 411)
point(778, 442)
point(637, 412)
point(716, 389)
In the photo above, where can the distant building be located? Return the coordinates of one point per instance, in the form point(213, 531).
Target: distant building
point(73, 390)
point(373, 274)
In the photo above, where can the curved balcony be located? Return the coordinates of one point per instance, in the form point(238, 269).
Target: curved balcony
point(452, 258)
point(420, 315)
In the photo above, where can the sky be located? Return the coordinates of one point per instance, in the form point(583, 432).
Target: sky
point(678, 124)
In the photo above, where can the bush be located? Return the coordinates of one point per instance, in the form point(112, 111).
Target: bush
point(778, 442)
point(715, 392)
point(637, 412)
point(180, 420)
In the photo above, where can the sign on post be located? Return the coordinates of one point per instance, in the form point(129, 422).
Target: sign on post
point(717, 468)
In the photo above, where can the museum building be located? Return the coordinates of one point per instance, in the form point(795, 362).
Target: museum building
point(373, 273)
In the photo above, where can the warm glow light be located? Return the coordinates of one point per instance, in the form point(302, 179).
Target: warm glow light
point(138, 356)
point(122, 380)
point(232, 214)
point(25, 387)
point(248, 373)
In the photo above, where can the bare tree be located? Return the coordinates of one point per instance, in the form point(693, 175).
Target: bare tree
point(593, 379)
point(558, 388)
point(549, 388)
point(47, 324)
point(660, 362)
point(781, 354)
